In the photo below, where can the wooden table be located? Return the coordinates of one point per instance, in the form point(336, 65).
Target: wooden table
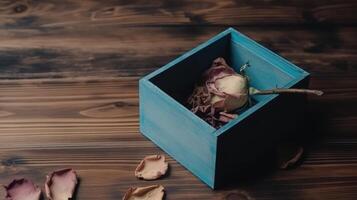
point(69, 73)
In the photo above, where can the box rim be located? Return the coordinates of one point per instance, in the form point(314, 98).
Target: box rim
point(187, 112)
point(260, 50)
point(187, 54)
point(253, 109)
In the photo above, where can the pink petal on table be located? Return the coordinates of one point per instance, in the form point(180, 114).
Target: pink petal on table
point(22, 189)
point(60, 185)
point(152, 167)
point(153, 192)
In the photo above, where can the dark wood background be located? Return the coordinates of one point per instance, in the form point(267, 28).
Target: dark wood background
point(69, 73)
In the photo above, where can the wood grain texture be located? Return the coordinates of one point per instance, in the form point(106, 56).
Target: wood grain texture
point(69, 74)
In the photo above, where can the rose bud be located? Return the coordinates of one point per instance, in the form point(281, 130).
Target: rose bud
point(228, 88)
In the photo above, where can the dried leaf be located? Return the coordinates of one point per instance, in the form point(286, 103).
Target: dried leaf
point(60, 185)
point(22, 189)
point(152, 167)
point(288, 155)
point(154, 192)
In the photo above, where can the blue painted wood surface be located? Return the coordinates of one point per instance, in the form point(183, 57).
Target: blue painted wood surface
point(182, 135)
point(205, 151)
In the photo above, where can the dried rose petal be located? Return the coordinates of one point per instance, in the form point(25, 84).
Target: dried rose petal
point(226, 117)
point(152, 167)
point(199, 101)
point(22, 189)
point(289, 155)
point(154, 192)
point(60, 185)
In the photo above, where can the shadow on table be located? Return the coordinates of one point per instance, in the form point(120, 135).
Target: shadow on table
point(309, 135)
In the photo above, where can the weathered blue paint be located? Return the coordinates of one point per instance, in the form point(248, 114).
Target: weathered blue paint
point(203, 150)
point(267, 70)
point(173, 128)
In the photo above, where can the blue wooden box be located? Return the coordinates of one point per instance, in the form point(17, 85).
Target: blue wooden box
point(217, 155)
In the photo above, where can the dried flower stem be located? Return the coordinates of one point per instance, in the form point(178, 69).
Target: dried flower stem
point(283, 90)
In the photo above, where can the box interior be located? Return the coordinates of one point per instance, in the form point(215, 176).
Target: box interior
point(178, 81)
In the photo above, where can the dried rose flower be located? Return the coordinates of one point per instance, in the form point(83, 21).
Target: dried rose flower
point(229, 89)
point(60, 185)
point(22, 189)
point(152, 167)
point(153, 192)
point(222, 91)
